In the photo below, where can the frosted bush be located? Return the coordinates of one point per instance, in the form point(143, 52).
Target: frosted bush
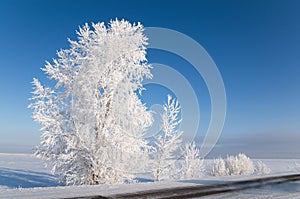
point(239, 165)
point(262, 168)
point(171, 172)
point(246, 165)
point(233, 165)
point(193, 164)
point(295, 166)
point(218, 167)
point(298, 167)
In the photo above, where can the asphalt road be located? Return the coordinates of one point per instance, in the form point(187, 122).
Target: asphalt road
point(203, 190)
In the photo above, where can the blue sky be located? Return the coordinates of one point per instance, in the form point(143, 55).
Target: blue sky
point(255, 44)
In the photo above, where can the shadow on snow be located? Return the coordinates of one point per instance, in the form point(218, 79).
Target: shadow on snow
point(14, 178)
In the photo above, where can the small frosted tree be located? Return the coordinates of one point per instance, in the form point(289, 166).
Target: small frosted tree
point(168, 142)
point(193, 164)
point(93, 121)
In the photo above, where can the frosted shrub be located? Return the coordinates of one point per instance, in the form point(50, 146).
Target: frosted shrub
point(297, 166)
point(246, 164)
point(240, 165)
point(193, 164)
point(262, 168)
point(170, 172)
point(218, 167)
point(233, 165)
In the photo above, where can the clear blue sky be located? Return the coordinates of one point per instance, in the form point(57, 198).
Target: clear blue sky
point(255, 44)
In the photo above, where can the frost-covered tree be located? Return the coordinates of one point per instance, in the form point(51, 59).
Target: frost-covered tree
point(93, 121)
point(168, 142)
point(193, 164)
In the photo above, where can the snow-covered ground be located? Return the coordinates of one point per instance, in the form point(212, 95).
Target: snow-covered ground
point(24, 176)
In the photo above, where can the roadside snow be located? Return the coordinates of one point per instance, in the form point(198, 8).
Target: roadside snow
point(24, 176)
